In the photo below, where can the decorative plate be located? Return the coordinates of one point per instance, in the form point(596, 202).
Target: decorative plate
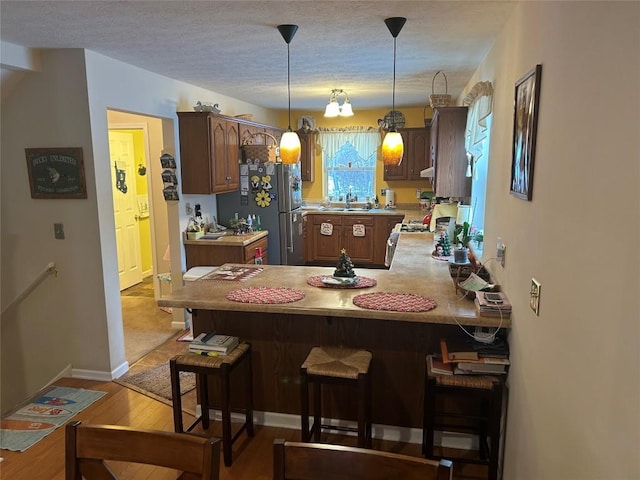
point(339, 280)
point(309, 121)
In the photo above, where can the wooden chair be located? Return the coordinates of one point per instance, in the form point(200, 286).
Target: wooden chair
point(88, 446)
point(315, 461)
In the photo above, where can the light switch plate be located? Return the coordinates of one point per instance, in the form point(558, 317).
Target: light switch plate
point(58, 231)
point(534, 301)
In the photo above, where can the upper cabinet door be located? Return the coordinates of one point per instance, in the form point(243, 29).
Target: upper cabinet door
point(195, 156)
point(307, 155)
point(449, 153)
point(418, 144)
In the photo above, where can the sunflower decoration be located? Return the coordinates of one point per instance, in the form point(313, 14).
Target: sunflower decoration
point(263, 199)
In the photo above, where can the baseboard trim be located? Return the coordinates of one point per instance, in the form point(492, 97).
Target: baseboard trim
point(99, 375)
point(384, 432)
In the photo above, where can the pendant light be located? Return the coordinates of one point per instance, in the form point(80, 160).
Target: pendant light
point(290, 142)
point(393, 147)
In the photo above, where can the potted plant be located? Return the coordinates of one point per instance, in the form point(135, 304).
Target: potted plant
point(462, 236)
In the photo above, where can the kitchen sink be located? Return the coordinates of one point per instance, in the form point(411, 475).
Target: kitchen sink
point(345, 209)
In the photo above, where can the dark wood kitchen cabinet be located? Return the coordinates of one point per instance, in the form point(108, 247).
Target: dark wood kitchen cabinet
point(361, 249)
point(365, 251)
point(307, 155)
point(416, 156)
point(209, 153)
point(214, 253)
point(448, 152)
point(324, 248)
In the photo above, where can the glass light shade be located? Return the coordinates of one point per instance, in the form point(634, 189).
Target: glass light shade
point(392, 149)
point(346, 110)
point(290, 148)
point(332, 110)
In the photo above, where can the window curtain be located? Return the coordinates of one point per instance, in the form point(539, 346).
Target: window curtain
point(479, 100)
point(365, 140)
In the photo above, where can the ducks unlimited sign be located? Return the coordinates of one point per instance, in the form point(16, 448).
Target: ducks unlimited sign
point(56, 172)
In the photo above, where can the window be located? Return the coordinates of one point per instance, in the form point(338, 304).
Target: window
point(477, 136)
point(349, 162)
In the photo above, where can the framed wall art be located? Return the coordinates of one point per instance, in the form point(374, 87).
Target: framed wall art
point(525, 126)
point(56, 172)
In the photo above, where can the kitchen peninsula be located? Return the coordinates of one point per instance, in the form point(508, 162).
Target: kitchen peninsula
point(282, 334)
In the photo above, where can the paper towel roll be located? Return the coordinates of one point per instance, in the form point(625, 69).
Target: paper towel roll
point(391, 198)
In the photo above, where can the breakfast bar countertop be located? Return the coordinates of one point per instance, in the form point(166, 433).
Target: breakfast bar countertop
point(413, 271)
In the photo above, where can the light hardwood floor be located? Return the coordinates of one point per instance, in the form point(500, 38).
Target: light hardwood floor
point(122, 406)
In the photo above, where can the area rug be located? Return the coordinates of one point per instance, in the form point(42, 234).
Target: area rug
point(155, 382)
point(43, 415)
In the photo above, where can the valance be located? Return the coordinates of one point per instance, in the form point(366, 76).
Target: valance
point(479, 99)
point(365, 140)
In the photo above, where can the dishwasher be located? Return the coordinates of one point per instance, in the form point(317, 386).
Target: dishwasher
point(392, 241)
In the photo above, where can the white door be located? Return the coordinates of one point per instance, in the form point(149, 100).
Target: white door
point(125, 208)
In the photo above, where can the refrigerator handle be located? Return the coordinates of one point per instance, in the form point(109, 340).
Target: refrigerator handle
point(290, 246)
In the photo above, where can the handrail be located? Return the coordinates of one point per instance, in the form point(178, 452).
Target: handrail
point(50, 270)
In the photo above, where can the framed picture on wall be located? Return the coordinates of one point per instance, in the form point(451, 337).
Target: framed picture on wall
point(525, 126)
point(56, 172)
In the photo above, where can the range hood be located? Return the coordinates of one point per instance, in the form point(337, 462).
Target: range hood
point(427, 172)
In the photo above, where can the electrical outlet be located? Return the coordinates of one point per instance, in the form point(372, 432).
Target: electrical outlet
point(188, 208)
point(534, 301)
point(383, 192)
point(418, 193)
point(58, 231)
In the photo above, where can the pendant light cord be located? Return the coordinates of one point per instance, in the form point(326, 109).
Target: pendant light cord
point(289, 84)
point(393, 94)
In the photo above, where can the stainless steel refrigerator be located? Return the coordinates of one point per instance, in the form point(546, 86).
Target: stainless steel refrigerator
point(272, 192)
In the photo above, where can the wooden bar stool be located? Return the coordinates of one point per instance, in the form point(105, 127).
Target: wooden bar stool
point(333, 365)
point(221, 367)
point(484, 416)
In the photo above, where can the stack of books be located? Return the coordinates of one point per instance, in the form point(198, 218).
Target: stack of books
point(212, 344)
point(500, 307)
point(468, 357)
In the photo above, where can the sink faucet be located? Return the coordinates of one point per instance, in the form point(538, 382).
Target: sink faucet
point(348, 200)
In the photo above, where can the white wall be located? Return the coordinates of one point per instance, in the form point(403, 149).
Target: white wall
point(574, 403)
point(74, 321)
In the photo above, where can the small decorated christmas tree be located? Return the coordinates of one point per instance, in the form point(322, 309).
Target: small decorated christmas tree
point(345, 267)
point(444, 244)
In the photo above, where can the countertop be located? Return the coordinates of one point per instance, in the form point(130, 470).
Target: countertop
point(413, 271)
point(230, 240)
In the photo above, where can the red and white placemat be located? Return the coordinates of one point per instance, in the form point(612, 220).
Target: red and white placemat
point(232, 273)
point(394, 302)
point(265, 295)
point(321, 281)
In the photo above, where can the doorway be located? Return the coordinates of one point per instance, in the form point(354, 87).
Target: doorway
point(141, 231)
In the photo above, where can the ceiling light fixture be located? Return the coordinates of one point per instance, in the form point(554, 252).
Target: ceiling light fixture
point(392, 147)
point(333, 107)
point(290, 142)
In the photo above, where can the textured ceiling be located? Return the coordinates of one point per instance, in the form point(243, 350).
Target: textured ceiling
point(234, 47)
